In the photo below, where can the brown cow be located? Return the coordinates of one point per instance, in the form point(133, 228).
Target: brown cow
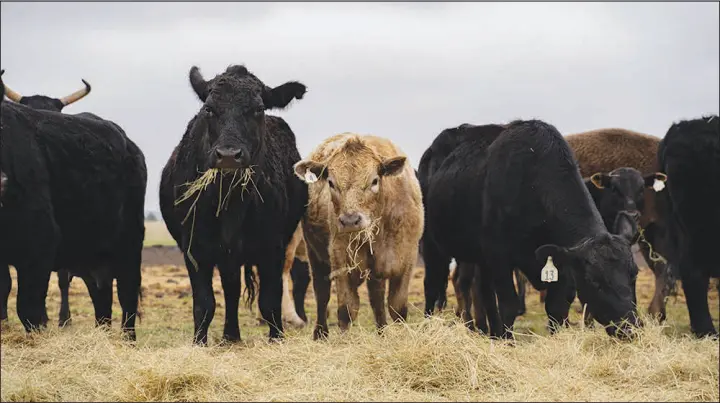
point(604, 150)
point(363, 221)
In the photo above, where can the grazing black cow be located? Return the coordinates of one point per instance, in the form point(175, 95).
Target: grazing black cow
point(690, 157)
point(253, 226)
point(42, 102)
point(516, 202)
point(622, 189)
point(74, 198)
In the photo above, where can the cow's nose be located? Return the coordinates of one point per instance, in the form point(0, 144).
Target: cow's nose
point(228, 157)
point(350, 220)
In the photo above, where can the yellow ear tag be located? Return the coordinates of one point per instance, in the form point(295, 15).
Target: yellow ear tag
point(658, 185)
point(310, 177)
point(549, 272)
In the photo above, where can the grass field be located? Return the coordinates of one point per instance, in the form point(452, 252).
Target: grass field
point(424, 360)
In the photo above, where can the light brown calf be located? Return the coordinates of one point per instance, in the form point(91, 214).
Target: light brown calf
point(363, 222)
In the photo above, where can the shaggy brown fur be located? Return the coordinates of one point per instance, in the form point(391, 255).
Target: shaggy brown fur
point(369, 179)
point(604, 150)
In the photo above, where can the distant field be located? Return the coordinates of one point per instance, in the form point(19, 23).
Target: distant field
point(427, 360)
point(156, 233)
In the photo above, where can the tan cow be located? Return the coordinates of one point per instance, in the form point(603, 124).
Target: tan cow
point(363, 222)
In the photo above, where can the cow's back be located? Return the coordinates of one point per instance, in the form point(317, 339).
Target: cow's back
point(604, 150)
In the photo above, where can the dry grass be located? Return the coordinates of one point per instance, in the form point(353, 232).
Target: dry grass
point(425, 360)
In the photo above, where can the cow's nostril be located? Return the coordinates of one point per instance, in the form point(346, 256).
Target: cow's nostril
point(238, 155)
point(218, 154)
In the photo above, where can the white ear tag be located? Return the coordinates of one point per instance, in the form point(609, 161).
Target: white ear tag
point(549, 272)
point(310, 177)
point(658, 185)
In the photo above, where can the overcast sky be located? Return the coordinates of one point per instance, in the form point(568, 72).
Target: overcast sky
point(404, 71)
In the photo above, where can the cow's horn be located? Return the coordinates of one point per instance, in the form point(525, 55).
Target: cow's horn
point(14, 96)
point(77, 95)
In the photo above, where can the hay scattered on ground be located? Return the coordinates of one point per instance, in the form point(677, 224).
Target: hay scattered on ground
point(433, 360)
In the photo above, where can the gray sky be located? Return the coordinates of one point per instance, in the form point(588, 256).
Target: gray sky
point(404, 71)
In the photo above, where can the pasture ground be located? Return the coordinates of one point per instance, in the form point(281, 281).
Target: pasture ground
point(424, 360)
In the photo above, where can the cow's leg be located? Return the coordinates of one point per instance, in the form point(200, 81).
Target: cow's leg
point(398, 295)
point(5, 287)
point(376, 293)
point(102, 297)
point(129, 280)
point(230, 279)
point(485, 289)
point(481, 320)
point(522, 289)
point(270, 271)
point(300, 275)
point(348, 299)
point(663, 276)
point(465, 273)
point(437, 270)
point(289, 314)
point(695, 285)
point(559, 297)
point(32, 291)
point(203, 298)
point(321, 285)
point(507, 298)
point(64, 278)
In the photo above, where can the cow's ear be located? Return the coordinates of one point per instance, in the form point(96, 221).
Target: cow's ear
point(198, 83)
point(626, 225)
point(392, 166)
point(280, 96)
point(600, 180)
point(559, 254)
point(310, 171)
point(651, 178)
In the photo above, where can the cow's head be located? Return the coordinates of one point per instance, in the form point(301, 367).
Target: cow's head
point(604, 273)
point(621, 190)
point(42, 102)
point(234, 113)
point(354, 175)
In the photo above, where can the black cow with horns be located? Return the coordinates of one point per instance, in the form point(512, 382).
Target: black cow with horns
point(512, 197)
point(73, 197)
point(42, 102)
point(690, 157)
point(229, 197)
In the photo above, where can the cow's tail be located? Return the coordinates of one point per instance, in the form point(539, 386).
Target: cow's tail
point(250, 285)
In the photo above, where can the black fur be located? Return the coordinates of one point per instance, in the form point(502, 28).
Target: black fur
point(74, 199)
point(253, 228)
point(690, 156)
point(512, 202)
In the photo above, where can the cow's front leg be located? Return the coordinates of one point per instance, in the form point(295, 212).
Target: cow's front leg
point(376, 293)
point(398, 295)
point(270, 271)
point(5, 287)
point(348, 299)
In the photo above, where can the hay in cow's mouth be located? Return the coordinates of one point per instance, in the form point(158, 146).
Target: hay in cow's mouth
point(199, 185)
point(357, 240)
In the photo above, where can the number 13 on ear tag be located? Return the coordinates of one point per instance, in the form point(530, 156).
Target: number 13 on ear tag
point(549, 273)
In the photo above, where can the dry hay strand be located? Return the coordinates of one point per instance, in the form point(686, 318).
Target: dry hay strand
point(199, 186)
point(431, 360)
point(356, 241)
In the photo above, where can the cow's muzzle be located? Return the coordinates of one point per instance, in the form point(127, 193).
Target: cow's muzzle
point(349, 222)
point(230, 158)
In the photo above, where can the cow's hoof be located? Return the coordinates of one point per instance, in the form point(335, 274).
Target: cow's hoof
point(320, 334)
point(295, 322)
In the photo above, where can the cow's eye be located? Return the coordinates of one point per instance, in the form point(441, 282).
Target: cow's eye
point(209, 111)
point(331, 184)
point(375, 182)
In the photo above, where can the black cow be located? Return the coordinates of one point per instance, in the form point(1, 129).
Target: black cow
point(232, 133)
point(42, 102)
point(515, 202)
point(690, 157)
point(74, 198)
point(622, 189)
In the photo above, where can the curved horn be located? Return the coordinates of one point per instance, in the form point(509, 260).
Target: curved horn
point(77, 95)
point(14, 96)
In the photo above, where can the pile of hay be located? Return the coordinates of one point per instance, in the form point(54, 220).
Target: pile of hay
point(433, 360)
